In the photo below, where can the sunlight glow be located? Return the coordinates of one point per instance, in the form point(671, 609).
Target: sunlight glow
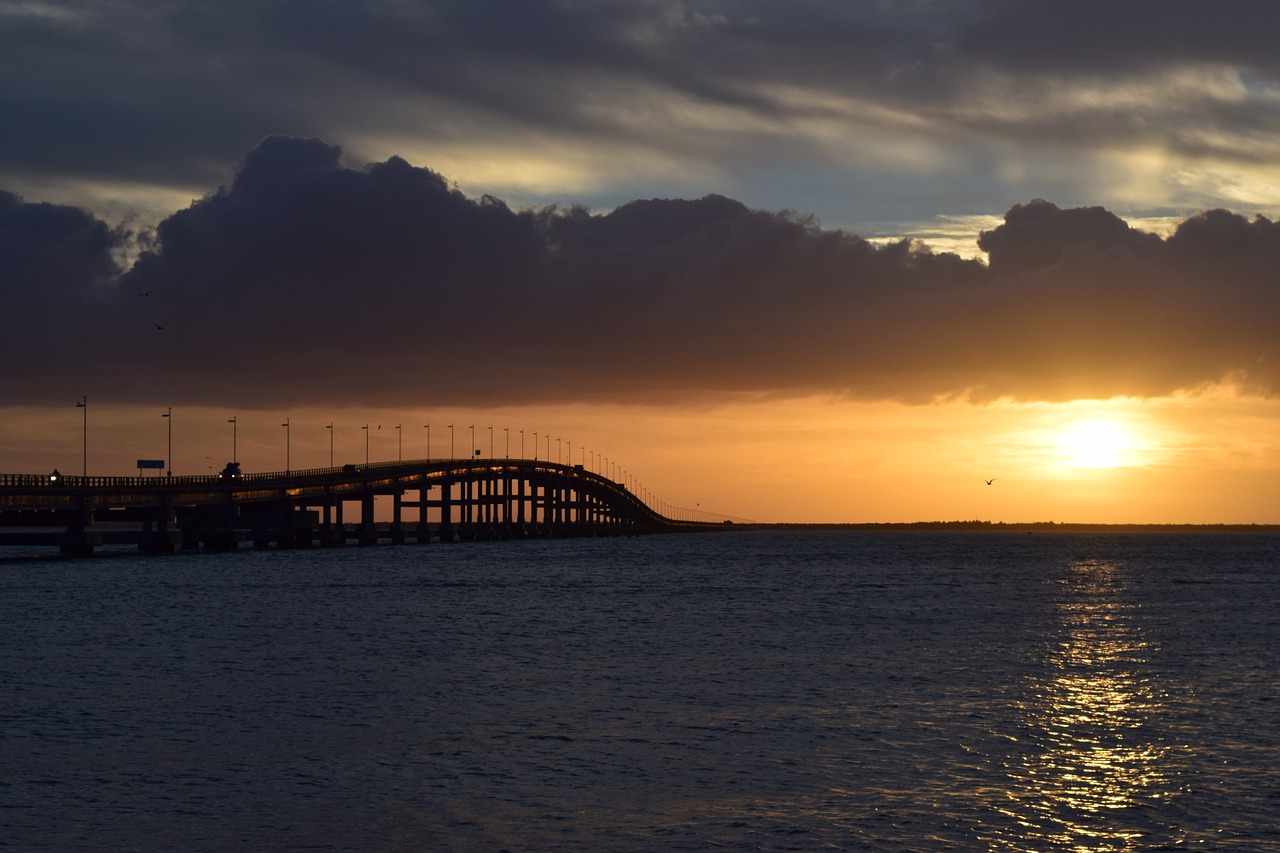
point(1095, 443)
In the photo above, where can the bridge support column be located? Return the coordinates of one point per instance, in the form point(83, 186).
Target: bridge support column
point(368, 529)
point(77, 541)
point(424, 504)
point(335, 534)
point(446, 512)
point(397, 530)
point(211, 527)
point(158, 535)
point(518, 506)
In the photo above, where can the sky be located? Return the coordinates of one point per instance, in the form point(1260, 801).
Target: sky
point(803, 261)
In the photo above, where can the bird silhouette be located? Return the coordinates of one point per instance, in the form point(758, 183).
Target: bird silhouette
point(992, 480)
point(158, 326)
point(146, 293)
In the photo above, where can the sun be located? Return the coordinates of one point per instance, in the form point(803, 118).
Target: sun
point(1096, 443)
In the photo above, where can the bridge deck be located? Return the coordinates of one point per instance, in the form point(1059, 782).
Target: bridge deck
point(454, 499)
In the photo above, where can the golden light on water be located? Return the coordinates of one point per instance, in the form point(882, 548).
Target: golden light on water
point(1090, 764)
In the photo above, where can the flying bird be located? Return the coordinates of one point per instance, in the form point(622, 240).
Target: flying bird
point(992, 480)
point(146, 293)
point(158, 326)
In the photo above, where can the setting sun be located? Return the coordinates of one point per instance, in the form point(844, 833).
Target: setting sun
point(1096, 443)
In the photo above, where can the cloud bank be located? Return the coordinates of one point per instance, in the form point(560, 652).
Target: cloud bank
point(869, 106)
point(305, 281)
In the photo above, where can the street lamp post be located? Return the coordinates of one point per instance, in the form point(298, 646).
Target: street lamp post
point(399, 443)
point(84, 436)
point(168, 416)
point(521, 444)
point(473, 442)
point(490, 441)
point(535, 447)
point(235, 457)
point(428, 428)
point(329, 427)
point(288, 462)
point(366, 443)
point(451, 456)
point(507, 435)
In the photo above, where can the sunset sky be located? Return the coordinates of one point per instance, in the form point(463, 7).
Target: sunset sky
point(785, 261)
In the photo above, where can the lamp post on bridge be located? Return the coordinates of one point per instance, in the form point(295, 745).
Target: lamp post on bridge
point(288, 462)
point(451, 456)
point(366, 444)
point(399, 443)
point(473, 442)
point(428, 429)
point(521, 444)
point(84, 436)
point(168, 416)
point(234, 439)
point(535, 447)
point(330, 429)
point(507, 432)
point(490, 441)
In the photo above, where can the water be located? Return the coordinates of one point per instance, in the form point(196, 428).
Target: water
point(741, 691)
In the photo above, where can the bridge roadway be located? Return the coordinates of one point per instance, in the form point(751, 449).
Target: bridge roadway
point(447, 500)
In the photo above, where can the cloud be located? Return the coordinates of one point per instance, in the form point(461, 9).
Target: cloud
point(1086, 37)
point(53, 252)
point(56, 263)
point(1037, 235)
point(307, 281)
point(57, 270)
point(867, 104)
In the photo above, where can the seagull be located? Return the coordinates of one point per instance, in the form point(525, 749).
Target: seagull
point(992, 480)
point(146, 293)
point(158, 326)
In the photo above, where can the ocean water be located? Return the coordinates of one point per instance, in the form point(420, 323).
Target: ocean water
point(739, 691)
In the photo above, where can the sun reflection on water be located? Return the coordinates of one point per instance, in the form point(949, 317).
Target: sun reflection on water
point(1090, 764)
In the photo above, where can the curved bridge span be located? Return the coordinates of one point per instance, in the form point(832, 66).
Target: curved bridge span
point(441, 500)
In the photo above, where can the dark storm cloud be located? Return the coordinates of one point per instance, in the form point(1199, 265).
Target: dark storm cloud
point(1078, 37)
point(53, 252)
point(57, 264)
point(307, 281)
point(54, 260)
point(168, 93)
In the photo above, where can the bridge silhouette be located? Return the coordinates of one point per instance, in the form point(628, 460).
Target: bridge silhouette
point(432, 501)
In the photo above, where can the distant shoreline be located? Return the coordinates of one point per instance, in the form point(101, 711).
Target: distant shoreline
point(1021, 527)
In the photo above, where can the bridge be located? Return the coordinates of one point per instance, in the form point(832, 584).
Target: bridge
point(431, 500)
